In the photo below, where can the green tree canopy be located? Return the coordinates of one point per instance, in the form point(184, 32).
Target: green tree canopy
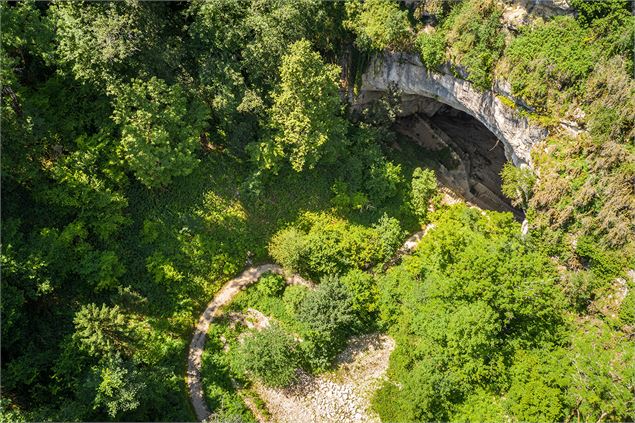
point(305, 117)
point(160, 130)
point(271, 355)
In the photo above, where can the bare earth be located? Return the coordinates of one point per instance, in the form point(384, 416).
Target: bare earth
point(340, 396)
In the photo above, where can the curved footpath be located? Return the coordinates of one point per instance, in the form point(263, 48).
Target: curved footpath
point(224, 297)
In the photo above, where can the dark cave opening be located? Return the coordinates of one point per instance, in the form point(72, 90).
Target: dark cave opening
point(467, 157)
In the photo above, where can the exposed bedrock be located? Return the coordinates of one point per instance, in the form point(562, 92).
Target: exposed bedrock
point(407, 74)
point(466, 156)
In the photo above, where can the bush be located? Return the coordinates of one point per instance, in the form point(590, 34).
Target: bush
point(318, 351)
point(424, 188)
point(271, 355)
point(328, 309)
point(330, 245)
point(288, 247)
point(475, 39)
point(549, 62)
point(271, 285)
point(293, 297)
point(390, 235)
point(378, 24)
point(431, 49)
point(364, 295)
point(604, 263)
point(383, 181)
point(518, 183)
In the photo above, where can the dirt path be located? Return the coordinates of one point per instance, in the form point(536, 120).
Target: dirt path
point(224, 297)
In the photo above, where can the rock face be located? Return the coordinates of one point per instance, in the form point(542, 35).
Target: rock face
point(408, 74)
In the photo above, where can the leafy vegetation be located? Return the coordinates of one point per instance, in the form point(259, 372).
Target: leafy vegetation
point(271, 355)
point(473, 33)
point(323, 244)
point(151, 151)
point(378, 24)
point(482, 330)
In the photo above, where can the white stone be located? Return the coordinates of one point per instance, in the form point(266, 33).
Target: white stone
point(412, 78)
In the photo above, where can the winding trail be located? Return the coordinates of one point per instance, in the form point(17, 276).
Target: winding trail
point(224, 297)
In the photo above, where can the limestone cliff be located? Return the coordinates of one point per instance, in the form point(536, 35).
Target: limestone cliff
point(409, 75)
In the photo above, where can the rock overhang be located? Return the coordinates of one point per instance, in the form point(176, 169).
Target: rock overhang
point(410, 77)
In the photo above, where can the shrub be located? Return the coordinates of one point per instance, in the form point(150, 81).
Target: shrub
point(293, 297)
point(518, 183)
point(364, 294)
point(424, 188)
point(318, 351)
point(475, 40)
point(431, 49)
point(610, 101)
point(271, 285)
point(390, 235)
point(346, 200)
point(288, 247)
point(549, 62)
point(604, 263)
point(328, 309)
point(578, 288)
point(330, 245)
point(383, 181)
point(271, 355)
point(336, 246)
point(378, 24)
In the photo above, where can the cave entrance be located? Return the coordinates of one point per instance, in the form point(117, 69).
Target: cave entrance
point(467, 157)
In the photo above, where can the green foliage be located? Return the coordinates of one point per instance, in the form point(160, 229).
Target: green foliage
point(328, 309)
point(465, 311)
point(423, 191)
point(271, 355)
point(160, 130)
point(579, 288)
point(367, 180)
point(431, 48)
point(96, 91)
point(475, 40)
point(328, 315)
point(549, 62)
point(390, 234)
point(216, 374)
point(101, 43)
point(538, 386)
point(305, 116)
point(103, 330)
point(518, 183)
point(610, 102)
point(271, 284)
point(611, 22)
point(293, 297)
point(604, 264)
point(582, 197)
point(330, 245)
point(385, 178)
point(288, 247)
point(117, 387)
point(378, 24)
point(364, 294)
point(601, 373)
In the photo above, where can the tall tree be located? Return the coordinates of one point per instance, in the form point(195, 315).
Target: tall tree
point(306, 114)
point(160, 130)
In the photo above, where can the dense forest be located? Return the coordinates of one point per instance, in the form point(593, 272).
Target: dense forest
point(151, 151)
